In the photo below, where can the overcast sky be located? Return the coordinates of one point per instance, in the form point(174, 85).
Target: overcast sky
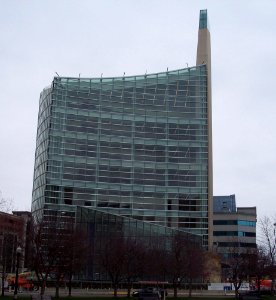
point(39, 38)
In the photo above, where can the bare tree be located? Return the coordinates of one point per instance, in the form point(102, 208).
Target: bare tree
point(123, 259)
point(6, 204)
point(176, 258)
point(268, 241)
point(258, 262)
point(65, 250)
point(112, 260)
point(77, 249)
point(134, 262)
point(194, 263)
point(59, 250)
point(238, 267)
point(157, 262)
point(6, 256)
point(44, 252)
point(177, 262)
point(11, 237)
point(49, 259)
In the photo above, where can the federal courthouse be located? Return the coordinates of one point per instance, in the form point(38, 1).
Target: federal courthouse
point(136, 147)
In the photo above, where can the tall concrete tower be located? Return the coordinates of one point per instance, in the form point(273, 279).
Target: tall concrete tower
point(204, 57)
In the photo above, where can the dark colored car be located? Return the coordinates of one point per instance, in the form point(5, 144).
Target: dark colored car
point(250, 295)
point(135, 294)
point(150, 293)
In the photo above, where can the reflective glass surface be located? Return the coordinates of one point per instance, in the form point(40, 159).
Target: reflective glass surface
point(102, 228)
point(136, 146)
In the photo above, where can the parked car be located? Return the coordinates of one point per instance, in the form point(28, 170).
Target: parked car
point(150, 293)
point(249, 295)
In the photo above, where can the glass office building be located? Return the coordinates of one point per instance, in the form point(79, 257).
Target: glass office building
point(136, 146)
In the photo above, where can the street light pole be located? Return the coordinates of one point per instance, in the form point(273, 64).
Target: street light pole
point(18, 253)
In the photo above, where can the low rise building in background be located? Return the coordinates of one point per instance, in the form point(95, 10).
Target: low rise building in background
point(14, 232)
point(11, 235)
point(234, 227)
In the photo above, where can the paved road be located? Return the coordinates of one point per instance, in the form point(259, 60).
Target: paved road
point(109, 292)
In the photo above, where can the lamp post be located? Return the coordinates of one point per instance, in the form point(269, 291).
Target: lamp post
point(18, 253)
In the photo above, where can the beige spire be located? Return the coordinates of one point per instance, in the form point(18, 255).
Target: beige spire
point(204, 57)
point(204, 42)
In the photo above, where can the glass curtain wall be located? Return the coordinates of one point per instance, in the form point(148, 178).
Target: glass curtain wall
point(135, 146)
point(105, 229)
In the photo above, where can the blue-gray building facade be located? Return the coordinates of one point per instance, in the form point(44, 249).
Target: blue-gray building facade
point(234, 227)
point(224, 204)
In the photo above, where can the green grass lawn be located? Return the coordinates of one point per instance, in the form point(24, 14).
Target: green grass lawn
point(10, 297)
point(125, 298)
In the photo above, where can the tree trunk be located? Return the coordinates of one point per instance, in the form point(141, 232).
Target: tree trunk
point(3, 282)
point(128, 289)
point(237, 285)
point(175, 290)
point(259, 285)
point(57, 290)
point(115, 290)
point(70, 285)
point(70, 289)
point(236, 291)
point(272, 285)
point(190, 289)
point(43, 285)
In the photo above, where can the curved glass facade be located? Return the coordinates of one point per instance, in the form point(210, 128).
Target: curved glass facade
point(136, 146)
